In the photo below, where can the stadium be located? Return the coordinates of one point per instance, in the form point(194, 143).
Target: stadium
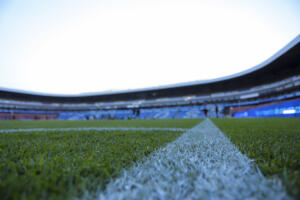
point(230, 137)
point(271, 89)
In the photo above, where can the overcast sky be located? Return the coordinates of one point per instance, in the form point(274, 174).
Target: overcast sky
point(79, 46)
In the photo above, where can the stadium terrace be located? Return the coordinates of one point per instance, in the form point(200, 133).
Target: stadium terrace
point(271, 89)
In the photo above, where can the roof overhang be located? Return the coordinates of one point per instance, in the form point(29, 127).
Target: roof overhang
point(286, 60)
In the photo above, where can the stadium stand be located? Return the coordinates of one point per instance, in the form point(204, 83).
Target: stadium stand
point(271, 89)
point(289, 108)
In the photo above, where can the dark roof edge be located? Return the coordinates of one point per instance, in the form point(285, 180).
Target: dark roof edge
point(282, 51)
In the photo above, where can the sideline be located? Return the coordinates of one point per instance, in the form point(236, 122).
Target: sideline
point(93, 129)
point(200, 164)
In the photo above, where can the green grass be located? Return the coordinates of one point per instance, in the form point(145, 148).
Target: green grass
point(64, 165)
point(160, 123)
point(274, 144)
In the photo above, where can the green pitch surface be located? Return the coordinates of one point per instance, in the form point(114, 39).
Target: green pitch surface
point(64, 165)
point(274, 144)
point(161, 123)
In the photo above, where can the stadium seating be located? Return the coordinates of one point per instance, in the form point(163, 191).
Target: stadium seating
point(283, 109)
point(193, 106)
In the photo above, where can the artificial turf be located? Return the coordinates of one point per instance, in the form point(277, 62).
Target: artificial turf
point(274, 144)
point(66, 165)
point(158, 123)
point(63, 165)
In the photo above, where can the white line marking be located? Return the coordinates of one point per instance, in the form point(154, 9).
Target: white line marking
point(93, 129)
point(201, 164)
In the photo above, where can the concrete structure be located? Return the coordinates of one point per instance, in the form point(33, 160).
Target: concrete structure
point(276, 79)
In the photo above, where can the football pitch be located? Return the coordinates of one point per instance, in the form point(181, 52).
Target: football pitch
point(94, 159)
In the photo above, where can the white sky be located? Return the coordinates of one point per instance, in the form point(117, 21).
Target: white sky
point(78, 46)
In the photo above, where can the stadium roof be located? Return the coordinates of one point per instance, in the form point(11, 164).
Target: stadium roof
point(283, 64)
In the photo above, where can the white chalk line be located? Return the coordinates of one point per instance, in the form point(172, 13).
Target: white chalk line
point(93, 129)
point(200, 164)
